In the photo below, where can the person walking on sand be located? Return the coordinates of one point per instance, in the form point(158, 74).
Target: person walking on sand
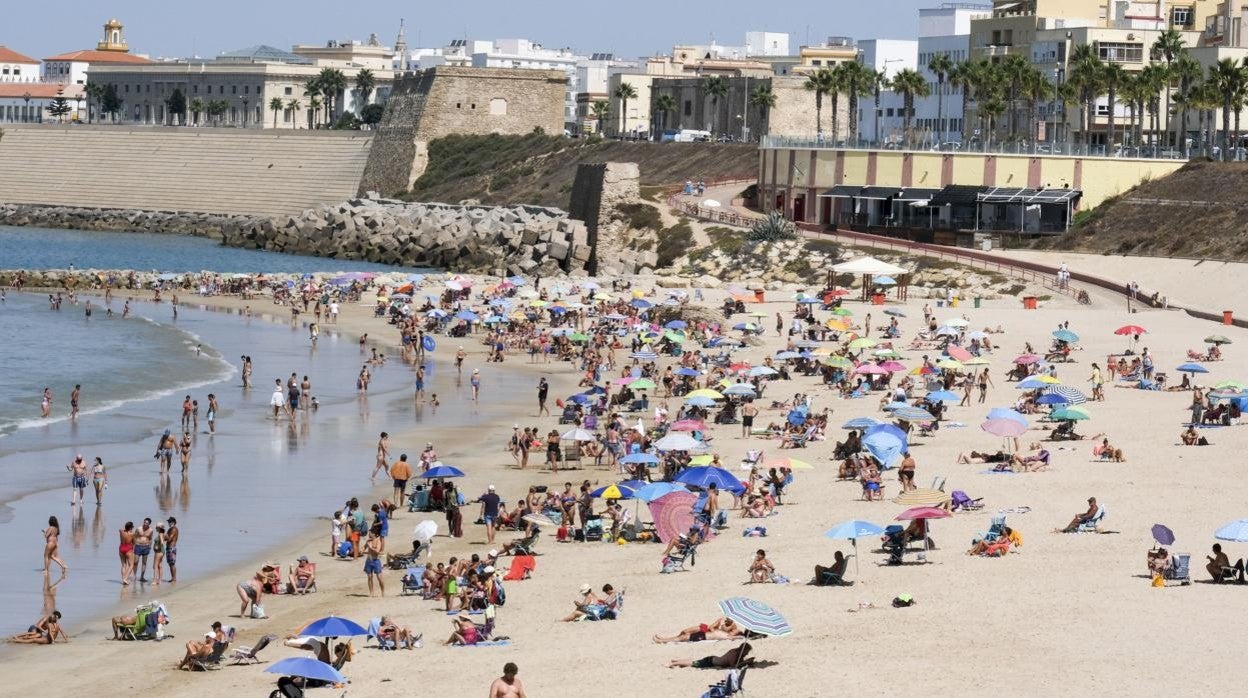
point(125, 551)
point(476, 384)
point(984, 382)
point(77, 481)
point(400, 472)
point(99, 478)
point(52, 546)
point(383, 455)
point(372, 559)
point(543, 390)
point(508, 685)
point(1098, 383)
point(171, 548)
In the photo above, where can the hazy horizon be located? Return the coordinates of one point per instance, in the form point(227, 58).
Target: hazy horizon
point(212, 28)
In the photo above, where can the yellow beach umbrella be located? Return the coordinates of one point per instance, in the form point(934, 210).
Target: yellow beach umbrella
point(707, 392)
point(836, 324)
point(951, 364)
point(602, 296)
point(1048, 379)
point(976, 361)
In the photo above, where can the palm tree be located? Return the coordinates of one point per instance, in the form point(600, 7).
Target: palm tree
point(312, 91)
point(293, 106)
point(600, 109)
point(197, 106)
point(1067, 94)
point(1187, 71)
point(276, 105)
point(1036, 89)
point(990, 109)
point(332, 82)
point(1227, 78)
point(314, 108)
point(878, 82)
point(763, 99)
point(941, 66)
point(364, 84)
point(1207, 102)
point(715, 87)
point(909, 84)
point(1168, 47)
point(1014, 71)
point(1085, 71)
point(821, 82)
point(664, 105)
point(1153, 79)
point(1113, 76)
point(624, 92)
point(858, 83)
point(961, 77)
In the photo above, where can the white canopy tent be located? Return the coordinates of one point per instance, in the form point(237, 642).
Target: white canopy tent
point(869, 267)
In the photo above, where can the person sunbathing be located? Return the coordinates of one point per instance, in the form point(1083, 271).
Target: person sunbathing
point(586, 604)
point(1106, 451)
point(836, 571)
point(977, 457)
point(1036, 461)
point(872, 486)
point(1191, 438)
point(400, 636)
point(1158, 561)
point(43, 632)
point(756, 507)
point(719, 629)
point(1082, 518)
point(201, 650)
point(302, 576)
point(761, 568)
point(733, 658)
point(466, 632)
point(999, 545)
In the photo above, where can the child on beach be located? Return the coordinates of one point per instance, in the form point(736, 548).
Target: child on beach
point(335, 533)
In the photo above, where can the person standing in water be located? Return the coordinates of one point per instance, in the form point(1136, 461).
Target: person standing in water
point(99, 478)
point(383, 455)
point(171, 548)
point(73, 400)
point(212, 413)
point(77, 481)
point(184, 450)
point(420, 384)
point(246, 372)
point(46, 406)
point(278, 399)
point(52, 545)
point(125, 551)
point(476, 384)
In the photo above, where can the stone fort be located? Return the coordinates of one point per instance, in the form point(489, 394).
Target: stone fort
point(449, 100)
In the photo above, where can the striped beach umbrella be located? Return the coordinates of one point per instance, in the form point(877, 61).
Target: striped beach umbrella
point(913, 414)
point(860, 423)
point(755, 616)
point(644, 355)
point(1071, 393)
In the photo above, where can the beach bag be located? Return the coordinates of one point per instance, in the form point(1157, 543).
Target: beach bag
point(257, 611)
point(903, 601)
point(500, 594)
point(344, 549)
point(1158, 581)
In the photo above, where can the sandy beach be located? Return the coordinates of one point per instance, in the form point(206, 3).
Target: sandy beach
point(1074, 609)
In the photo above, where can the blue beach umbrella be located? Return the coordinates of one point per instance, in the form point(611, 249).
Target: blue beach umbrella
point(1031, 383)
point(885, 446)
point(860, 423)
point(1192, 368)
point(852, 531)
point(614, 491)
point(911, 413)
point(307, 668)
point(647, 458)
point(442, 471)
point(705, 475)
point(580, 399)
point(1065, 336)
point(1070, 393)
point(686, 371)
point(1052, 399)
point(333, 626)
point(640, 304)
point(1235, 531)
point(676, 325)
point(700, 401)
point(467, 315)
point(942, 396)
point(657, 490)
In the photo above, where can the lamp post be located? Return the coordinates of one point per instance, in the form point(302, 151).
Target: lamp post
point(245, 101)
point(1057, 83)
point(876, 127)
point(26, 109)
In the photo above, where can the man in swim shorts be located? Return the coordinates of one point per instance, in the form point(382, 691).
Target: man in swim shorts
point(77, 480)
point(143, 548)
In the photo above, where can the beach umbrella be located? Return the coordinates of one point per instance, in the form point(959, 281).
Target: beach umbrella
point(539, 520)
point(1130, 330)
point(1235, 531)
point(1052, 399)
point(947, 331)
point(442, 471)
point(958, 353)
point(700, 401)
point(1026, 359)
point(1065, 336)
point(1031, 383)
point(333, 626)
point(1069, 413)
point(762, 370)
point(642, 384)
point(871, 369)
point(886, 353)
point(886, 447)
point(307, 668)
point(755, 616)
point(860, 423)
point(580, 399)
point(436, 314)
point(852, 531)
point(578, 337)
point(1070, 393)
point(644, 355)
point(425, 531)
point(1217, 339)
point(705, 475)
point(949, 364)
point(911, 413)
point(1006, 413)
point(894, 312)
point(676, 325)
point(843, 312)
point(884, 280)
point(657, 490)
point(682, 371)
point(673, 514)
point(922, 497)
point(758, 313)
point(942, 396)
point(745, 326)
point(640, 304)
point(1230, 385)
point(689, 425)
point(723, 342)
point(837, 324)
point(790, 463)
point(923, 513)
point(647, 458)
point(703, 459)
point(677, 442)
point(1190, 367)
point(975, 361)
point(578, 434)
point(1163, 535)
point(862, 343)
point(892, 367)
point(741, 389)
point(467, 315)
point(706, 392)
point(838, 362)
point(809, 301)
point(616, 491)
point(1005, 428)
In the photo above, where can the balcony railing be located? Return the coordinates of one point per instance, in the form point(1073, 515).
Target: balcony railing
point(826, 142)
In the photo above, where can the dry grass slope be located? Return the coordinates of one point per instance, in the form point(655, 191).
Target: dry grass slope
point(1199, 211)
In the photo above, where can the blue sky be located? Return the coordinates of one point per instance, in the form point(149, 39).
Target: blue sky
point(641, 27)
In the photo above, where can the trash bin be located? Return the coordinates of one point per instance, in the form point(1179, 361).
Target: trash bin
point(954, 302)
point(1029, 302)
point(877, 299)
point(1228, 317)
point(977, 301)
point(759, 295)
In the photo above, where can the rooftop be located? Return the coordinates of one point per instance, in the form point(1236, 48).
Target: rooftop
point(94, 56)
point(36, 90)
point(262, 53)
point(8, 55)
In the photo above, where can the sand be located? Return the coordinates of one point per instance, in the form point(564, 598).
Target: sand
point(1065, 613)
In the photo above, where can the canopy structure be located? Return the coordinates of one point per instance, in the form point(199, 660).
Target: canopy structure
point(870, 267)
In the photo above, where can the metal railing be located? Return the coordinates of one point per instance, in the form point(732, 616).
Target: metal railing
point(927, 144)
point(694, 209)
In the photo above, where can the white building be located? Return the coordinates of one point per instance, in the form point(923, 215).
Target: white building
point(764, 43)
point(15, 67)
point(888, 56)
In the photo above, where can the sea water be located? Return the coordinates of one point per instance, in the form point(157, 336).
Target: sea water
point(254, 485)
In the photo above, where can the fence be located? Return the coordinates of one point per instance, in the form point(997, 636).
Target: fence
point(819, 142)
point(694, 209)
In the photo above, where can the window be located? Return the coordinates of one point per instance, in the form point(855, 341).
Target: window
point(816, 62)
point(1114, 52)
point(889, 111)
point(1181, 16)
point(289, 91)
point(688, 107)
point(194, 89)
point(246, 89)
point(233, 89)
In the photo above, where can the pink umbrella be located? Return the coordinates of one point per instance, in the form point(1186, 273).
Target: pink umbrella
point(871, 369)
point(922, 513)
point(1005, 428)
point(892, 366)
point(958, 353)
point(624, 381)
point(673, 514)
point(689, 425)
point(1027, 359)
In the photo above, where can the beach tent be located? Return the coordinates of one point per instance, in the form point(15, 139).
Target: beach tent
point(870, 267)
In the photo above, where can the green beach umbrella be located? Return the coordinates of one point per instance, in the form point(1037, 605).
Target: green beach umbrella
point(842, 311)
point(1231, 385)
point(642, 384)
point(838, 362)
point(577, 337)
point(675, 336)
point(1071, 412)
point(862, 343)
point(1217, 339)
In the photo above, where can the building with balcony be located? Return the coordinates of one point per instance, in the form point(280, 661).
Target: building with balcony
point(15, 67)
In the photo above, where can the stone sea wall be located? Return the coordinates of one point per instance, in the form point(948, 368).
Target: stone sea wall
point(122, 220)
point(483, 239)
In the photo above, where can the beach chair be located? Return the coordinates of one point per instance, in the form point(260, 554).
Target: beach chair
point(247, 655)
point(730, 685)
point(938, 483)
point(832, 579)
point(140, 630)
point(686, 551)
point(526, 545)
point(572, 454)
point(413, 581)
point(996, 528)
point(212, 661)
point(960, 501)
point(1092, 525)
point(1179, 570)
point(286, 688)
point(522, 567)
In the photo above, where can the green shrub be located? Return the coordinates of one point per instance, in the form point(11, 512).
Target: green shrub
point(827, 247)
point(773, 228)
point(640, 216)
point(674, 242)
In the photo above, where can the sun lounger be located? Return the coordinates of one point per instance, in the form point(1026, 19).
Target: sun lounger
point(732, 684)
point(247, 655)
point(212, 661)
point(413, 581)
point(675, 561)
point(1179, 570)
point(960, 501)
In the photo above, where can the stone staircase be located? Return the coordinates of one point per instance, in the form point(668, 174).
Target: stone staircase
point(210, 170)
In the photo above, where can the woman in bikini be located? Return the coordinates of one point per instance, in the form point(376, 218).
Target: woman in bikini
point(46, 406)
point(52, 545)
point(125, 551)
point(99, 478)
point(158, 553)
point(184, 450)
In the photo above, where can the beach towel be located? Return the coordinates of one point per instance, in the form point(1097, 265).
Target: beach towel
point(997, 472)
point(522, 567)
point(487, 643)
point(471, 612)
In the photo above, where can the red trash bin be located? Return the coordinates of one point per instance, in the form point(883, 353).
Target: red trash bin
point(1029, 302)
point(759, 295)
point(877, 299)
point(1228, 317)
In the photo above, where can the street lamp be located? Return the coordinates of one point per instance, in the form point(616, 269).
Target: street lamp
point(26, 109)
point(245, 100)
